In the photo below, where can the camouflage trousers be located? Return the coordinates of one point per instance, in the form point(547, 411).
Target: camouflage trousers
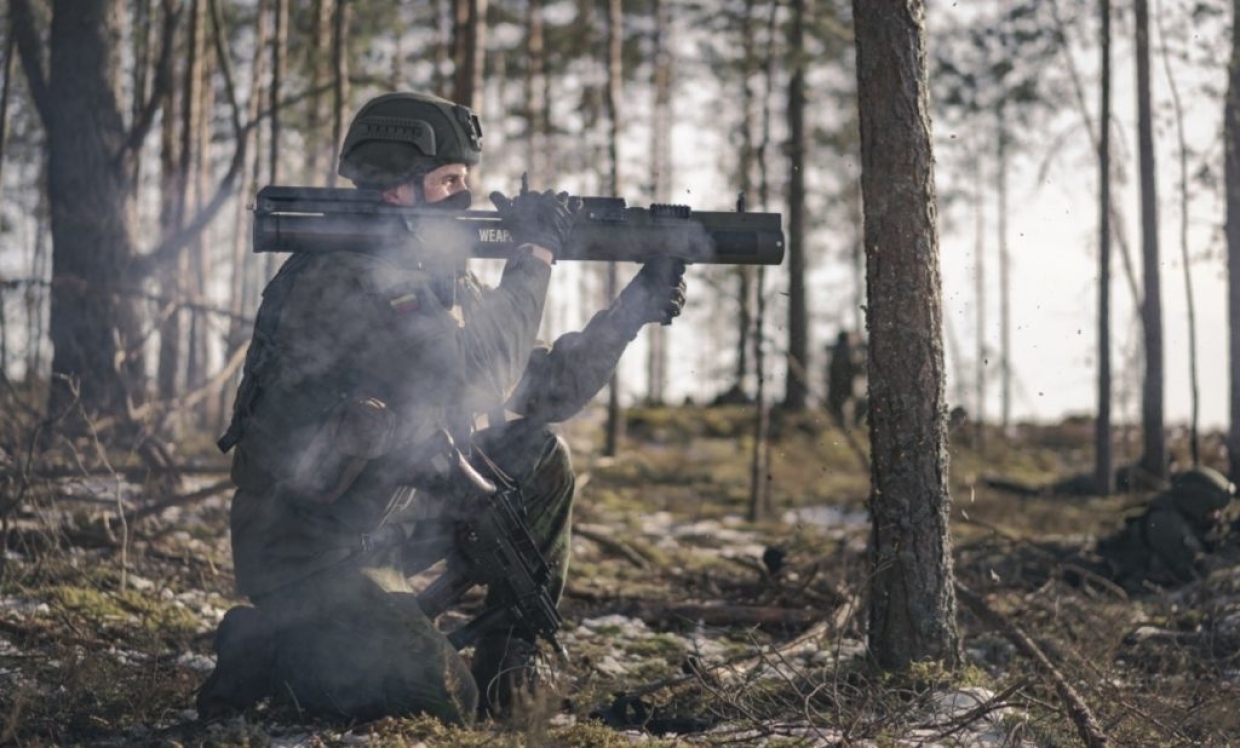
point(352, 642)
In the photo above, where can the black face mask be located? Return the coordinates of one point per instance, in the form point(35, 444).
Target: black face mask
point(458, 201)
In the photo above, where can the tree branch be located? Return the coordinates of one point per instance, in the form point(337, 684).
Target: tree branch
point(1091, 732)
point(29, 48)
point(163, 78)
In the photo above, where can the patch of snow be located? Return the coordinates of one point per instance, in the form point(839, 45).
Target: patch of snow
point(628, 626)
point(24, 606)
point(831, 518)
point(199, 663)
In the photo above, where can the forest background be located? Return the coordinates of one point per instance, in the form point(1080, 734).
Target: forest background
point(702, 112)
point(136, 134)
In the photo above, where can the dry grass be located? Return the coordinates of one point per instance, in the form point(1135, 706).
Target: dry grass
point(99, 629)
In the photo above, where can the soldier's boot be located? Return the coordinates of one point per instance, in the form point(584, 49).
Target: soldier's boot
point(244, 650)
point(506, 669)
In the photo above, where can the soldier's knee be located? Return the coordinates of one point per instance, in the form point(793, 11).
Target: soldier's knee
point(527, 450)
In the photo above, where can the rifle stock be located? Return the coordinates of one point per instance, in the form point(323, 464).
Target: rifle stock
point(317, 220)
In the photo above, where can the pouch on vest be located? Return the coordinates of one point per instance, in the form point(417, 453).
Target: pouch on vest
point(355, 431)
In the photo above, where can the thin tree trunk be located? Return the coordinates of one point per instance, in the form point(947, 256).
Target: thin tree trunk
point(661, 166)
point(200, 249)
point(760, 465)
point(441, 52)
point(469, 52)
point(1103, 473)
point(1193, 377)
point(279, 58)
point(319, 161)
point(4, 122)
point(1231, 120)
point(1154, 456)
point(979, 289)
point(237, 334)
point(745, 167)
point(795, 387)
point(1078, 95)
point(144, 29)
point(340, 79)
point(536, 126)
point(615, 31)
point(1005, 280)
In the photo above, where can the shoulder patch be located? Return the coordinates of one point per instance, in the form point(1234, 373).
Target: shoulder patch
point(405, 303)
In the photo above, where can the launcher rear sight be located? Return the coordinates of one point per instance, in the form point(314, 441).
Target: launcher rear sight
point(318, 220)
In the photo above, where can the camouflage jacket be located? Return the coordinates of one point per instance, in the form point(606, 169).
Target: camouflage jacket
point(356, 362)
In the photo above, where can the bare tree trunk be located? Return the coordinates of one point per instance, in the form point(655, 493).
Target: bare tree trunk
point(535, 142)
point(441, 53)
point(1103, 473)
point(179, 274)
point(279, 59)
point(469, 52)
point(4, 107)
point(319, 156)
point(237, 334)
point(340, 79)
point(1154, 456)
point(795, 386)
point(1193, 378)
point(745, 167)
point(144, 31)
point(1231, 119)
point(661, 166)
point(200, 249)
point(94, 329)
point(760, 465)
point(912, 600)
point(1078, 92)
point(615, 39)
point(1005, 280)
point(979, 289)
point(171, 215)
point(4, 122)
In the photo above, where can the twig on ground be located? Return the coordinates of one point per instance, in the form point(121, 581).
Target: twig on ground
point(1087, 725)
point(612, 545)
point(181, 499)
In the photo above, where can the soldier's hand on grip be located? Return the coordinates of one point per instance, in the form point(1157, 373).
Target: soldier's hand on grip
point(540, 218)
point(656, 294)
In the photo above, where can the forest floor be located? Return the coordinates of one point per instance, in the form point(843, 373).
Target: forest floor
point(679, 632)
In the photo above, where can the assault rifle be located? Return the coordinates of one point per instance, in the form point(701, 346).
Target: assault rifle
point(317, 219)
point(494, 547)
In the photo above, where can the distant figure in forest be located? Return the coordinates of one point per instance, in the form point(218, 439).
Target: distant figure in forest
point(1177, 538)
point(845, 365)
point(373, 374)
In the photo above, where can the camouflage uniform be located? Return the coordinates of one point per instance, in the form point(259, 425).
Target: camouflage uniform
point(357, 361)
point(1171, 541)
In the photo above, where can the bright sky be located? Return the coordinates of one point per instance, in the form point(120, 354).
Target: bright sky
point(1053, 229)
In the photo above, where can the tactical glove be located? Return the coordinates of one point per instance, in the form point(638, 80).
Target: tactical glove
point(656, 294)
point(540, 218)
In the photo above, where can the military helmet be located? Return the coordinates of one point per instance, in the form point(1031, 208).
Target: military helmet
point(1200, 491)
point(397, 136)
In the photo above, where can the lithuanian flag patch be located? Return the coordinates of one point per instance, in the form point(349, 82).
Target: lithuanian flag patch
point(405, 303)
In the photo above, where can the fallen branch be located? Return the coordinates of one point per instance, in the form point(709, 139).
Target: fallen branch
point(1086, 724)
point(612, 545)
point(179, 500)
point(128, 471)
point(715, 614)
point(728, 668)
